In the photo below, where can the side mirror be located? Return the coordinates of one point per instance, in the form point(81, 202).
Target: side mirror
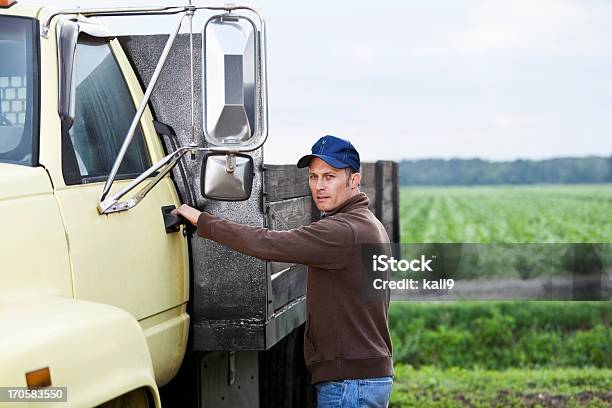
point(227, 177)
point(233, 82)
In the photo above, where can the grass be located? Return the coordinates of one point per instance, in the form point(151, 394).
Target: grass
point(500, 335)
point(562, 387)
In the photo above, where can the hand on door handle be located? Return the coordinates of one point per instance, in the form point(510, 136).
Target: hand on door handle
point(173, 221)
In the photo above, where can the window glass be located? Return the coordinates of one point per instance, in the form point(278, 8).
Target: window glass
point(18, 89)
point(104, 112)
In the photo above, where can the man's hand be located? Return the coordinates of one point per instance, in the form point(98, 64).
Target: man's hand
point(189, 213)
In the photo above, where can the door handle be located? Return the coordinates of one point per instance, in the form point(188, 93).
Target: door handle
point(172, 222)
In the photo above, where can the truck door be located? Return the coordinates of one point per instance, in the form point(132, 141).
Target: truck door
point(125, 259)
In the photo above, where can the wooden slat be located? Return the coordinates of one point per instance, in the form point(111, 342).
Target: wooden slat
point(285, 181)
point(289, 214)
point(289, 285)
point(396, 214)
point(385, 197)
point(379, 186)
point(387, 203)
point(388, 171)
point(368, 183)
point(281, 216)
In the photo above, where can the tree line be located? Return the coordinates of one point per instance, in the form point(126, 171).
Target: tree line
point(591, 169)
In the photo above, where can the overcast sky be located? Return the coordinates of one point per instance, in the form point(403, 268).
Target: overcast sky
point(497, 80)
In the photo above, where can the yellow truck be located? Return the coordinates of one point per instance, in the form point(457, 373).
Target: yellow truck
point(106, 298)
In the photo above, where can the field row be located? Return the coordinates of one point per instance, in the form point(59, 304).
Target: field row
point(520, 214)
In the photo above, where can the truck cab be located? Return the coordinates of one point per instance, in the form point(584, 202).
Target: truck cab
point(109, 290)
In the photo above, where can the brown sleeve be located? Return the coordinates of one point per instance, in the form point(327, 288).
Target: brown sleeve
point(325, 243)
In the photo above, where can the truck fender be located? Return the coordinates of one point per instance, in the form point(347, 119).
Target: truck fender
point(97, 351)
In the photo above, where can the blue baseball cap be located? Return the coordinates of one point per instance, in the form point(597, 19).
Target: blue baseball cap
point(336, 152)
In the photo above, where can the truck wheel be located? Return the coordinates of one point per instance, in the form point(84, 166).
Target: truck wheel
point(284, 380)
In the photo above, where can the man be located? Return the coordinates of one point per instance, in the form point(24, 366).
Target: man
point(347, 346)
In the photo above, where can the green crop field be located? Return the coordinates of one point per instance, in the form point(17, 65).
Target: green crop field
point(501, 214)
point(534, 213)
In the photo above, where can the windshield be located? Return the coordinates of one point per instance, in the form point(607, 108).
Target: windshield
point(18, 90)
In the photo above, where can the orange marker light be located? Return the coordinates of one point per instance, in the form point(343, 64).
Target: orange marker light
point(39, 378)
point(7, 3)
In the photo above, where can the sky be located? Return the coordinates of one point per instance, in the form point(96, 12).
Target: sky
point(497, 80)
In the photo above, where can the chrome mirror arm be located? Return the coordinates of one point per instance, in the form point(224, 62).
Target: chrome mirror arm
point(164, 166)
point(140, 111)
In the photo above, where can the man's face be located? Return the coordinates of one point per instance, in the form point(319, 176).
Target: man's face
point(330, 186)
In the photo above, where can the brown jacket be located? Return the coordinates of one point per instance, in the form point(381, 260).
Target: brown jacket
point(347, 333)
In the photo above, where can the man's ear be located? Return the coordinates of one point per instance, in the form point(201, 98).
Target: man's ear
point(356, 180)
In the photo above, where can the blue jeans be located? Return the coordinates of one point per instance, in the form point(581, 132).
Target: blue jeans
point(359, 393)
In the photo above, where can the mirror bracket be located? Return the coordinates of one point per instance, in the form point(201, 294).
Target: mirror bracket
point(163, 167)
point(230, 162)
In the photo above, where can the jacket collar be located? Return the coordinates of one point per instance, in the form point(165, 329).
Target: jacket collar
point(358, 200)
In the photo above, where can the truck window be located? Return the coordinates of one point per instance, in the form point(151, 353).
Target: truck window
point(104, 112)
point(18, 90)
